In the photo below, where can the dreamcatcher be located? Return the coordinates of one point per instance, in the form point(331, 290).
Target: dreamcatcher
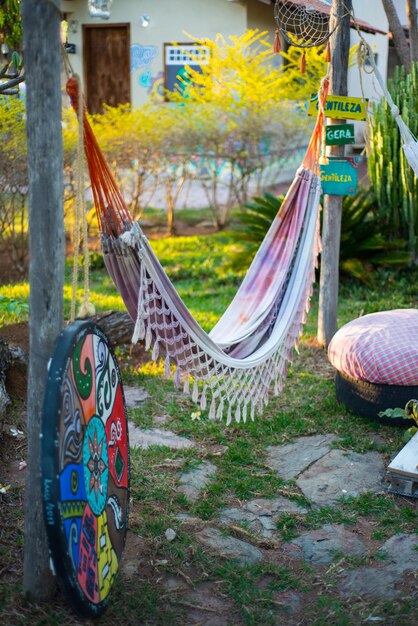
point(302, 23)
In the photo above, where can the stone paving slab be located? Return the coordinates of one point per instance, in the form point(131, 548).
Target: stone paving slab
point(340, 474)
point(370, 582)
point(261, 514)
point(291, 459)
point(401, 552)
point(401, 556)
point(134, 395)
point(193, 483)
point(230, 547)
point(146, 437)
point(320, 547)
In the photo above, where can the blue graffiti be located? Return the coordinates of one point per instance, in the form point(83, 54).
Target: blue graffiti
point(145, 79)
point(141, 56)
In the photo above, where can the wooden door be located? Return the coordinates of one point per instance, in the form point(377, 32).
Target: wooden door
point(107, 71)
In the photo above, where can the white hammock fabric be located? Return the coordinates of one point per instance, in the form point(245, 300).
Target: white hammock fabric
point(233, 368)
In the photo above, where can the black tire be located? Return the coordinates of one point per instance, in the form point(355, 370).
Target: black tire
point(369, 399)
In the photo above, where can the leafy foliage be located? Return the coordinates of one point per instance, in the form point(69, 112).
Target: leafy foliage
point(10, 23)
point(409, 412)
point(393, 180)
point(12, 309)
point(13, 192)
point(363, 242)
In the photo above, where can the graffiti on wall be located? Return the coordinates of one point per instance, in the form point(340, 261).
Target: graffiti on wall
point(141, 56)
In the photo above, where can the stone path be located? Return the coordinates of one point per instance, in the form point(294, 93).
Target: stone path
point(325, 475)
point(261, 514)
point(193, 483)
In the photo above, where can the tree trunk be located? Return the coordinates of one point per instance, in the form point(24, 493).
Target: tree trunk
point(117, 325)
point(411, 11)
point(331, 223)
point(399, 39)
point(41, 31)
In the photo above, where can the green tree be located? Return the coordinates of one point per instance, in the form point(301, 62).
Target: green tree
point(11, 24)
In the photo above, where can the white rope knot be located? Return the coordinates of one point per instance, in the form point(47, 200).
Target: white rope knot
point(395, 111)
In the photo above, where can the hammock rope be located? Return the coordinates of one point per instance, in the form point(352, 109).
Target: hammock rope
point(230, 370)
point(80, 231)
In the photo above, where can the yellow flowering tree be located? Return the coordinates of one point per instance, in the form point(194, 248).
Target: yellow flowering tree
point(227, 126)
point(243, 107)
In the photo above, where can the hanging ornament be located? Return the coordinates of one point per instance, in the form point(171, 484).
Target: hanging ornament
point(276, 45)
point(328, 52)
point(100, 8)
point(303, 63)
point(303, 26)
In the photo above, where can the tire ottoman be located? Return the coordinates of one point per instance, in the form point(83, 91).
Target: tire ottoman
point(376, 358)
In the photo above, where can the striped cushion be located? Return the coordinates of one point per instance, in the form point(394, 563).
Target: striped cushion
point(380, 348)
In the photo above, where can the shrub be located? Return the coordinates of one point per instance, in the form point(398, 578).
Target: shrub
point(14, 184)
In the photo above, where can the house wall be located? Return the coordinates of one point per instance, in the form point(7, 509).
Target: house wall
point(169, 21)
point(261, 16)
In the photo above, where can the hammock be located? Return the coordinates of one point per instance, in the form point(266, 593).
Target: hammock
point(247, 352)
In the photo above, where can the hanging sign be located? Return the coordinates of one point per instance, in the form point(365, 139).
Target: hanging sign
point(339, 134)
point(340, 107)
point(339, 176)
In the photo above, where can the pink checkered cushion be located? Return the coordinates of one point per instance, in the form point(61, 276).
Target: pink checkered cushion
point(380, 348)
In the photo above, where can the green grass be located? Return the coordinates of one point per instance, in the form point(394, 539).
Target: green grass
point(202, 271)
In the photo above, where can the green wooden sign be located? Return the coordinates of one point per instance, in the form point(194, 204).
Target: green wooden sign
point(339, 176)
point(339, 135)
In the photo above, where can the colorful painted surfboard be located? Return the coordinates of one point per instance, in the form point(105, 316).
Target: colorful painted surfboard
point(85, 466)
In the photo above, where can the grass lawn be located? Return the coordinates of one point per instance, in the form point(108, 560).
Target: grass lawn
point(206, 279)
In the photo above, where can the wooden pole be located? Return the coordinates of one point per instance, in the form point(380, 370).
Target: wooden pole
point(41, 35)
point(331, 220)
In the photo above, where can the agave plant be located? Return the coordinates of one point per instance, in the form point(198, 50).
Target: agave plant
point(363, 244)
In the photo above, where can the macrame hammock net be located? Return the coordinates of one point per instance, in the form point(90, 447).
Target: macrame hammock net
point(230, 370)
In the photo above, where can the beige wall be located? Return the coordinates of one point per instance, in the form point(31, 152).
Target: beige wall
point(261, 16)
point(170, 19)
point(169, 22)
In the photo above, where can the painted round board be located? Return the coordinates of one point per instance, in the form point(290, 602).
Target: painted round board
point(85, 466)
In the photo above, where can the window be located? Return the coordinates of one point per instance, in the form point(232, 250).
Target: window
point(176, 59)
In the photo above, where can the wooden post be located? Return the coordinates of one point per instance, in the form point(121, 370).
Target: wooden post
point(331, 220)
point(41, 34)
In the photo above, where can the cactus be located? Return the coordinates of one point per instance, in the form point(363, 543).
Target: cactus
point(392, 179)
